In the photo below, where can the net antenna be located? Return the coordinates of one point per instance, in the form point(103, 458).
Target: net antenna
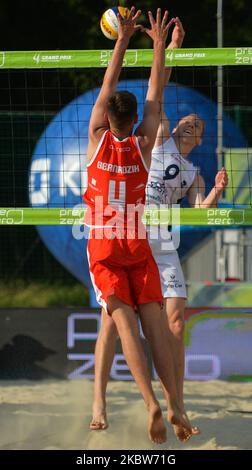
point(220, 87)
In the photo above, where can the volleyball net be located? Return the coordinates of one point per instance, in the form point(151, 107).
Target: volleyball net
point(46, 102)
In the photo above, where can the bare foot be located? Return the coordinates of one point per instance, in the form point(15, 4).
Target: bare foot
point(99, 420)
point(195, 429)
point(182, 426)
point(156, 426)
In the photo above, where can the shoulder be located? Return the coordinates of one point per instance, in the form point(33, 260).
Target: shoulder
point(168, 145)
point(95, 142)
point(198, 179)
point(95, 134)
point(144, 149)
point(143, 143)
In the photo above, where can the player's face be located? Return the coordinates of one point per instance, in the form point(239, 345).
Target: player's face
point(190, 129)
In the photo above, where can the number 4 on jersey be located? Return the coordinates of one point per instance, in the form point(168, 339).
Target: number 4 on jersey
point(117, 194)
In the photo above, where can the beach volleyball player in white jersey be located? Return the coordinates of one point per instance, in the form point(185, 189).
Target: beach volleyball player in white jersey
point(172, 176)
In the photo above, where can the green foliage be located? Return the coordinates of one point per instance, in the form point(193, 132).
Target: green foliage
point(74, 24)
point(42, 294)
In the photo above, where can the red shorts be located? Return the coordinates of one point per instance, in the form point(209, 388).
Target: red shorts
point(124, 268)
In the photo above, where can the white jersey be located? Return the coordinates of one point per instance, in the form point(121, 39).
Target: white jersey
point(170, 175)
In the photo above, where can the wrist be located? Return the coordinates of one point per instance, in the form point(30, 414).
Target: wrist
point(174, 45)
point(218, 190)
point(123, 41)
point(158, 44)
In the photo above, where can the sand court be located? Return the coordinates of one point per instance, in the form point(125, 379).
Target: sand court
point(56, 414)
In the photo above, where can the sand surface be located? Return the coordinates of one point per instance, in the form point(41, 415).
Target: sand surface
point(55, 415)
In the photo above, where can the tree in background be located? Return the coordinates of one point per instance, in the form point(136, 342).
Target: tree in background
point(74, 24)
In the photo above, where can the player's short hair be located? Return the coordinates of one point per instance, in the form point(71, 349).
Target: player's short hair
point(122, 107)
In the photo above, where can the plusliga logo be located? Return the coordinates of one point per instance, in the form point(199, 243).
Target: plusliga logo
point(36, 58)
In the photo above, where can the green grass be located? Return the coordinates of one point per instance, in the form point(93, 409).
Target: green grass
point(240, 378)
point(42, 294)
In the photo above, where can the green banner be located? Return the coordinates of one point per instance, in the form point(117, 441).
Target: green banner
point(61, 216)
point(133, 58)
point(238, 163)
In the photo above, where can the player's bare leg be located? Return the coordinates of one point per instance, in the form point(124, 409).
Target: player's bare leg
point(175, 308)
point(155, 330)
point(104, 354)
point(126, 322)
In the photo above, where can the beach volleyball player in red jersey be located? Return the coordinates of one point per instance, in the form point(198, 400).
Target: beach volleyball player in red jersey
point(122, 268)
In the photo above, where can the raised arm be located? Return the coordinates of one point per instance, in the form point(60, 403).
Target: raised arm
point(147, 130)
point(98, 123)
point(196, 193)
point(177, 38)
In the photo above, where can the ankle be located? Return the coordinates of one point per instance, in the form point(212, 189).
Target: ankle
point(153, 405)
point(174, 407)
point(99, 404)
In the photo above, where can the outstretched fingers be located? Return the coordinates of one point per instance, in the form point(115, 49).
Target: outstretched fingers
point(132, 11)
point(178, 22)
point(170, 24)
point(165, 17)
point(158, 16)
point(119, 19)
point(127, 24)
point(159, 27)
point(136, 16)
point(152, 21)
point(129, 17)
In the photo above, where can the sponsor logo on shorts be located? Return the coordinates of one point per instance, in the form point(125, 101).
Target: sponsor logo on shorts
point(174, 283)
point(175, 286)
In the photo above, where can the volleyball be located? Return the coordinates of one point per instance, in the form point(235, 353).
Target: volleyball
point(109, 22)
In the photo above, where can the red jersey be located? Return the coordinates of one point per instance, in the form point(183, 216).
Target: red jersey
point(122, 266)
point(117, 178)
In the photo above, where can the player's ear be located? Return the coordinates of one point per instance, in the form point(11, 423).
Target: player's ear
point(199, 140)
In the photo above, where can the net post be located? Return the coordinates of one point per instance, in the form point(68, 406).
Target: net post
point(220, 87)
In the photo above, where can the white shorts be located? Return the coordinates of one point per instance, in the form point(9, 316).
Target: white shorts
point(171, 274)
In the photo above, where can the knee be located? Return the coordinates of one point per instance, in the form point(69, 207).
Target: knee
point(147, 332)
point(177, 326)
point(151, 330)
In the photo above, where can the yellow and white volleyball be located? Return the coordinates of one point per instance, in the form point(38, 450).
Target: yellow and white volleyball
point(109, 21)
